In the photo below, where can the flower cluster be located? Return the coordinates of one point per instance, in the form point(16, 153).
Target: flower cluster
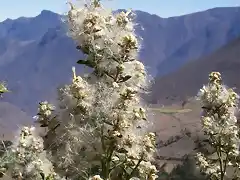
point(99, 129)
point(3, 88)
point(108, 40)
point(103, 124)
point(30, 160)
point(44, 115)
point(219, 124)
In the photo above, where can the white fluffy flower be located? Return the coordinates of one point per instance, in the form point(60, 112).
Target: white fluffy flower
point(219, 124)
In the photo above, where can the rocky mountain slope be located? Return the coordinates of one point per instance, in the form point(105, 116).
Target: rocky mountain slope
point(186, 81)
point(36, 56)
point(199, 35)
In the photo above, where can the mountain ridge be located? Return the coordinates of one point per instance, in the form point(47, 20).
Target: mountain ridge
point(187, 80)
point(36, 56)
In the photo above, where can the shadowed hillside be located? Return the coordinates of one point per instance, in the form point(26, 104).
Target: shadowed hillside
point(11, 118)
point(202, 33)
point(188, 80)
point(36, 56)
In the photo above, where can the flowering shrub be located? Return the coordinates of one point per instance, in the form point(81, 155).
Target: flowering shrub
point(219, 124)
point(102, 123)
point(30, 161)
point(99, 129)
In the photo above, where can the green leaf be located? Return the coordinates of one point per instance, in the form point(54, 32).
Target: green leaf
point(86, 63)
point(42, 175)
point(122, 150)
point(80, 61)
point(125, 78)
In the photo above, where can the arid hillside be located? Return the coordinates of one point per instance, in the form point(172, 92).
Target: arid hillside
point(187, 81)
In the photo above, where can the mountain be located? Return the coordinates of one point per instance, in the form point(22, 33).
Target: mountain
point(200, 34)
point(36, 56)
point(11, 118)
point(187, 81)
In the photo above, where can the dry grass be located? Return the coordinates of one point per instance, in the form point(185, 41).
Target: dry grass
point(169, 121)
point(167, 124)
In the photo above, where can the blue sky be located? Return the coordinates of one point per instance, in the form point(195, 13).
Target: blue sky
point(163, 8)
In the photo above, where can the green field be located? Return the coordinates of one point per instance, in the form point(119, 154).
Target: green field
point(170, 111)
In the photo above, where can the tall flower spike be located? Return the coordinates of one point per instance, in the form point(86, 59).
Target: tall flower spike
point(100, 114)
point(219, 124)
point(215, 77)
